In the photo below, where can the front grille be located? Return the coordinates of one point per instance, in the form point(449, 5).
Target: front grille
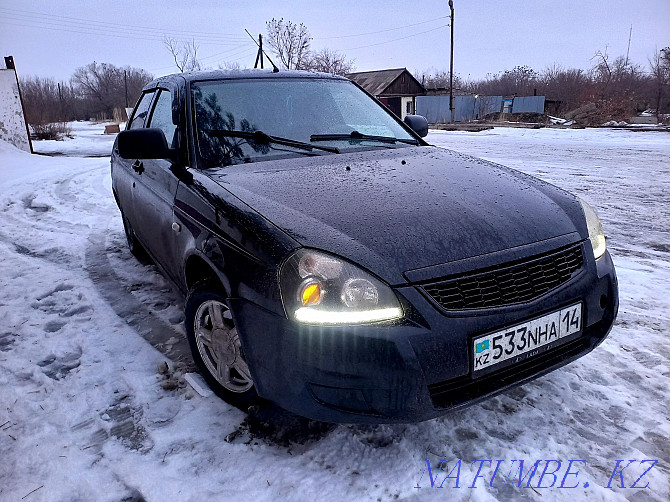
point(510, 283)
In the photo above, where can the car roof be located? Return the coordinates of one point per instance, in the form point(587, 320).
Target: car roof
point(182, 78)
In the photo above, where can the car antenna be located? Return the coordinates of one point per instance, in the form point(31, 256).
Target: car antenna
point(261, 52)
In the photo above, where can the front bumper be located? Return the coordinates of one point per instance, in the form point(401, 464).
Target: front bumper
point(414, 370)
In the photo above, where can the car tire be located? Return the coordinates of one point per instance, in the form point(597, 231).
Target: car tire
point(215, 345)
point(136, 249)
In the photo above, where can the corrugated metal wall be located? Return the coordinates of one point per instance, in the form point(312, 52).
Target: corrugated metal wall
point(486, 105)
point(528, 104)
point(436, 108)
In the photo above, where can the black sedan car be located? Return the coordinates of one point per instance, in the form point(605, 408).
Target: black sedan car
point(337, 265)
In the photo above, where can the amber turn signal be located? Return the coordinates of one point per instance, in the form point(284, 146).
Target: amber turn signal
point(311, 294)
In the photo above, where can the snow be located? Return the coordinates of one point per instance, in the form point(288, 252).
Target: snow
point(89, 410)
point(614, 123)
point(88, 140)
point(557, 120)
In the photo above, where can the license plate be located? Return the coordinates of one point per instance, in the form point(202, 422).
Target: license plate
point(514, 341)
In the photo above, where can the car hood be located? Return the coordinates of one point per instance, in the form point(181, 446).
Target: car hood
point(396, 210)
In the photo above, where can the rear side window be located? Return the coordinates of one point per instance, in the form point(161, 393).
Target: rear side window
point(141, 111)
point(161, 117)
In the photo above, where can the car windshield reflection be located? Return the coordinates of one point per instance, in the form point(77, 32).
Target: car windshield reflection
point(291, 109)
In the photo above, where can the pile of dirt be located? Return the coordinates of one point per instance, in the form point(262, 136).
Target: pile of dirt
point(597, 113)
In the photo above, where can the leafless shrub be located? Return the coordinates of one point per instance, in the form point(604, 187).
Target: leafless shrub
point(329, 61)
point(229, 65)
point(53, 131)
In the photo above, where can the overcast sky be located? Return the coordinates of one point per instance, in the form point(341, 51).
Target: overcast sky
point(51, 38)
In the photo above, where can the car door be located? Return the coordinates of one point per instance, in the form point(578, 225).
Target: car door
point(156, 186)
point(124, 174)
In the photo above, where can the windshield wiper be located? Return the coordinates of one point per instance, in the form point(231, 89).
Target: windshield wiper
point(264, 139)
point(358, 135)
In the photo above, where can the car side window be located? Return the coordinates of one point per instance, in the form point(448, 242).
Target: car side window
point(161, 117)
point(141, 111)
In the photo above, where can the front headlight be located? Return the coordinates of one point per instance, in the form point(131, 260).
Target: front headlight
point(596, 233)
point(318, 288)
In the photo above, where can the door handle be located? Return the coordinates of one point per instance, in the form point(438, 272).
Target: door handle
point(138, 167)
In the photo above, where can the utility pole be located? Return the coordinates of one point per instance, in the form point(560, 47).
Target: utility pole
point(125, 83)
point(630, 35)
point(259, 54)
point(451, 64)
point(60, 101)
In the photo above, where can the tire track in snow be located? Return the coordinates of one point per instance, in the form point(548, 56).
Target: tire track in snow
point(158, 333)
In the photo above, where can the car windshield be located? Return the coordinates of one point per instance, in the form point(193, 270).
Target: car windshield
point(318, 115)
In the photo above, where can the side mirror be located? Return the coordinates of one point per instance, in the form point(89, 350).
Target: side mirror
point(418, 124)
point(144, 144)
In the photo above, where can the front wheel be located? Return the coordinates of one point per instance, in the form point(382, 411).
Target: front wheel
point(216, 346)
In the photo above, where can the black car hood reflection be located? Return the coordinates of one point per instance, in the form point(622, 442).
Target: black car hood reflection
point(395, 210)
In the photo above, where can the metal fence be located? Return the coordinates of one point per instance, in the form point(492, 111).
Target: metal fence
point(528, 104)
point(436, 108)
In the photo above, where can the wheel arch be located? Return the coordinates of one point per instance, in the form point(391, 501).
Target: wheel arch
point(198, 269)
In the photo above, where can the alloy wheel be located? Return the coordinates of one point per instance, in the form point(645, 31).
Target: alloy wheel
point(219, 346)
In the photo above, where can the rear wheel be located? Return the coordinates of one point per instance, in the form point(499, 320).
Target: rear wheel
point(216, 346)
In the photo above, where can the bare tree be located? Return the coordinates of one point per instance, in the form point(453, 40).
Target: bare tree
point(290, 42)
point(521, 81)
point(659, 64)
point(602, 69)
point(329, 61)
point(47, 101)
point(570, 86)
point(616, 88)
point(438, 79)
point(185, 54)
point(619, 86)
point(100, 87)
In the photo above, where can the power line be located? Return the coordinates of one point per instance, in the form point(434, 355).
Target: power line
point(247, 54)
point(74, 22)
point(82, 32)
point(37, 17)
point(382, 31)
point(235, 50)
point(231, 53)
point(107, 32)
point(82, 26)
point(110, 33)
point(394, 40)
point(239, 48)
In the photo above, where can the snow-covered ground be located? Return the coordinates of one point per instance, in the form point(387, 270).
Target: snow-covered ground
point(88, 140)
point(87, 412)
